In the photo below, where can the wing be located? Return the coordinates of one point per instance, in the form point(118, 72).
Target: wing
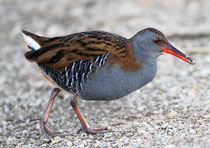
point(61, 52)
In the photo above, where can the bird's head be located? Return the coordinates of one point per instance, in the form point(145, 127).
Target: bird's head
point(152, 42)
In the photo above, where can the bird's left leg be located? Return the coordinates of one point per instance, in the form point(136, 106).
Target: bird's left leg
point(44, 119)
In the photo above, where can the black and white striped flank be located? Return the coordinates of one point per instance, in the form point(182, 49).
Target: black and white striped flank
point(73, 78)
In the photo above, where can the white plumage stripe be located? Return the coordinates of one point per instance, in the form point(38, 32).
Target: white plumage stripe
point(30, 41)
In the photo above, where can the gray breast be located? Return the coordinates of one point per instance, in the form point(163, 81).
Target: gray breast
point(109, 84)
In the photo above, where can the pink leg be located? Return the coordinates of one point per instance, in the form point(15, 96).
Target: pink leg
point(85, 125)
point(44, 119)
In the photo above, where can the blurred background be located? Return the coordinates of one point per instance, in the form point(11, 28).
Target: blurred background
point(172, 111)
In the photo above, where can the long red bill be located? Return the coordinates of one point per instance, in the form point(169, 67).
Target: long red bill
point(172, 50)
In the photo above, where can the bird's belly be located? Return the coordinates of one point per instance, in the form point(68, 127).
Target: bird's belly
point(114, 83)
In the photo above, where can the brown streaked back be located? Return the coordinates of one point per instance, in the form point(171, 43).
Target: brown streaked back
point(60, 52)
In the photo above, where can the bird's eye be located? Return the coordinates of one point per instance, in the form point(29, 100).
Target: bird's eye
point(156, 40)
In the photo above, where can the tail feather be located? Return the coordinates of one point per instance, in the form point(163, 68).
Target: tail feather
point(35, 43)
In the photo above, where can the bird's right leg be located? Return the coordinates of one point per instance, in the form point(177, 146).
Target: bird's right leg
point(85, 125)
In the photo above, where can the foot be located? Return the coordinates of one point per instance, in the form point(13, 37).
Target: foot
point(99, 130)
point(47, 131)
point(94, 130)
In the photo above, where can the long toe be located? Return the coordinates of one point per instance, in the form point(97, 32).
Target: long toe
point(47, 131)
point(51, 134)
point(95, 130)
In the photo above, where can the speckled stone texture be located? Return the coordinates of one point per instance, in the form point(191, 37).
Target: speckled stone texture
point(172, 111)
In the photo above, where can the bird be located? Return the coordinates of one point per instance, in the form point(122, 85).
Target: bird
point(96, 65)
